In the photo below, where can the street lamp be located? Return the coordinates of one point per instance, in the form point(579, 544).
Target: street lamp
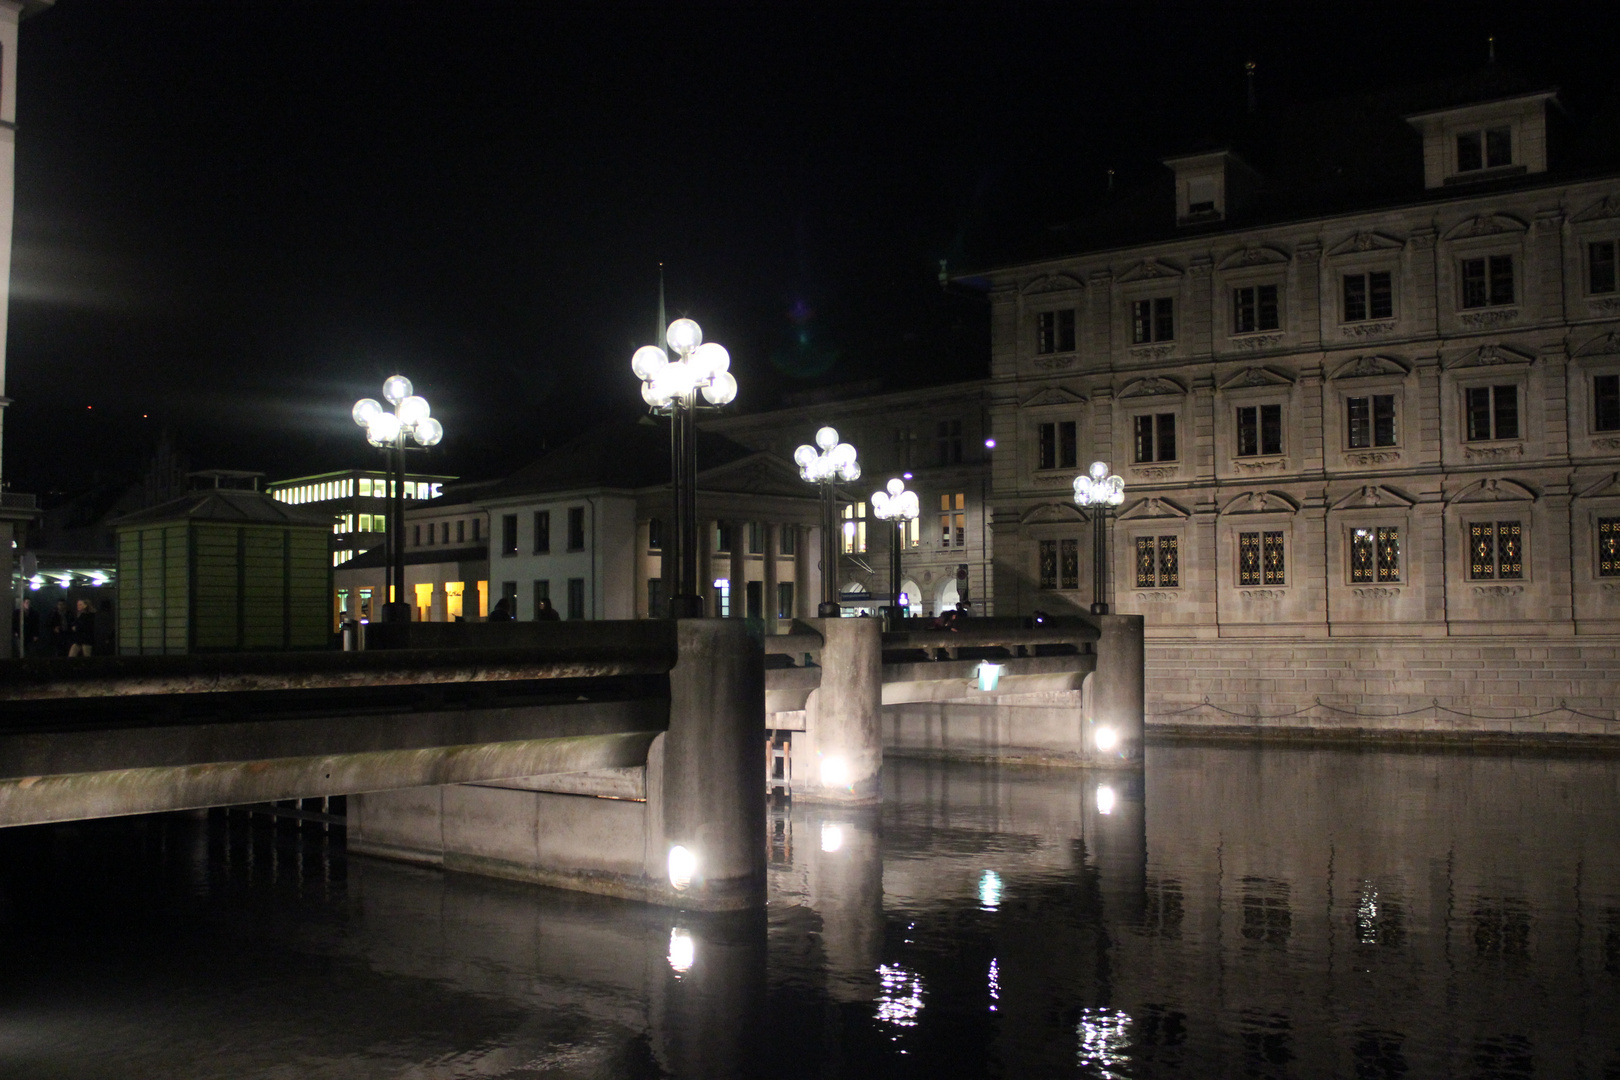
point(671, 387)
point(387, 430)
point(834, 461)
point(1097, 491)
point(899, 506)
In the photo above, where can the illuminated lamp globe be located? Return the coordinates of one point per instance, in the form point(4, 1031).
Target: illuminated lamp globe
point(365, 409)
point(654, 395)
point(803, 456)
point(1098, 471)
point(648, 361)
point(396, 389)
point(842, 454)
point(896, 486)
point(683, 336)
point(722, 389)
point(384, 427)
point(428, 432)
point(710, 359)
point(851, 472)
point(413, 410)
point(827, 438)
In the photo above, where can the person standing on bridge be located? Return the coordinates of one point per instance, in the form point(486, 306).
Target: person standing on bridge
point(501, 612)
point(58, 630)
point(544, 612)
point(83, 632)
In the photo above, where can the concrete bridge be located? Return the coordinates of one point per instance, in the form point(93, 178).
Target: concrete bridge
point(618, 758)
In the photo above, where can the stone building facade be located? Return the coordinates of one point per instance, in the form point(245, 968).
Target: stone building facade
point(1394, 423)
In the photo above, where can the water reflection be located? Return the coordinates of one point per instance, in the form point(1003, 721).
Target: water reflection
point(1239, 912)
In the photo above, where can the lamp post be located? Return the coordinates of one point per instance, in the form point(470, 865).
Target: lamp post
point(671, 387)
point(1098, 491)
point(387, 430)
point(832, 462)
point(900, 506)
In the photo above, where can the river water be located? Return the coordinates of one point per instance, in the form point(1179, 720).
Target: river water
point(1243, 912)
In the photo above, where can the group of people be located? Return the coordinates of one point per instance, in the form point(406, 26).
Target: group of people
point(543, 611)
point(64, 632)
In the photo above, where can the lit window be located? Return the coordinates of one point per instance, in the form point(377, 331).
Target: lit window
point(953, 520)
point(1496, 550)
point(854, 528)
point(1375, 554)
point(1158, 562)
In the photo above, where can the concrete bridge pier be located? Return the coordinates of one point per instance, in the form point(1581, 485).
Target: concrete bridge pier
point(1116, 693)
point(683, 830)
point(842, 755)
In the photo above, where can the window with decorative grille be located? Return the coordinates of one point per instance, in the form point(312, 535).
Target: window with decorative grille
point(1158, 562)
point(1375, 554)
point(1495, 550)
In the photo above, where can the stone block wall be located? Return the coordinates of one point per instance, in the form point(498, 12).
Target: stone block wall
point(1463, 686)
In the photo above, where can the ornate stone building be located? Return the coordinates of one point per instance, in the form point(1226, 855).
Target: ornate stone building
point(1379, 408)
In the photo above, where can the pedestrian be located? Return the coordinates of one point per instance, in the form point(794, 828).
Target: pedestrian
point(501, 612)
point(58, 630)
point(544, 612)
point(83, 632)
point(106, 628)
point(25, 627)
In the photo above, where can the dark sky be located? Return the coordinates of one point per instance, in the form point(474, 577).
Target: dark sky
point(234, 218)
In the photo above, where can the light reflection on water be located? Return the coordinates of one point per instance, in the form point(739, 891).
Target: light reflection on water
point(1244, 912)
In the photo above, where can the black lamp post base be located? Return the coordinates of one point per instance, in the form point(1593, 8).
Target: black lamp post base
point(395, 612)
point(1099, 609)
point(686, 607)
point(829, 609)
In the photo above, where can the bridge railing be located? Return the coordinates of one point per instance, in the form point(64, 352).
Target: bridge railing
point(1019, 637)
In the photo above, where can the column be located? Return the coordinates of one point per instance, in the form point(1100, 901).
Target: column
point(640, 573)
point(806, 589)
point(772, 543)
point(705, 565)
point(739, 569)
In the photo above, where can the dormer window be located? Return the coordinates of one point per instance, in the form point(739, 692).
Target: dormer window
point(1212, 187)
point(1488, 149)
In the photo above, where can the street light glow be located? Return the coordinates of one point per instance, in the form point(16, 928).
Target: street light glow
point(682, 866)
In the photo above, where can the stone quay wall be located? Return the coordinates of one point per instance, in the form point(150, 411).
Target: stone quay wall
point(1466, 688)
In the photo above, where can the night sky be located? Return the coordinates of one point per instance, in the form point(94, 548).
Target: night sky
point(233, 219)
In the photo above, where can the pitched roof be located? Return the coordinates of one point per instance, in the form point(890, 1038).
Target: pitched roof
point(621, 455)
point(228, 505)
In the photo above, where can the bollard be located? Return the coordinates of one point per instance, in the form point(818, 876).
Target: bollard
point(1114, 722)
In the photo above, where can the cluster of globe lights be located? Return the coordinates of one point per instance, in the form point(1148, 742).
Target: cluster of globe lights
point(698, 365)
point(896, 504)
point(833, 461)
point(1097, 488)
point(411, 413)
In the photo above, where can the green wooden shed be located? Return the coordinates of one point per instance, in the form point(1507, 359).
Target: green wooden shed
point(224, 571)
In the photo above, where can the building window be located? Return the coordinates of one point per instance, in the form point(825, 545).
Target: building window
point(1368, 296)
point(948, 442)
point(478, 530)
point(446, 527)
point(953, 520)
point(1606, 403)
point(416, 536)
point(509, 534)
point(784, 599)
point(1155, 437)
point(1495, 550)
point(756, 537)
point(1069, 552)
point(576, 598)
point(1153, 320)
point(1487, 282)
point(1254, 307)
point(1059, 445)
point(1158, 562)
point(655, 534)
point(722, 536)
point(1493, 412)
point(576, 528)
point(1261, 559)
point(1375, 554)
point(509, 594)
point(1049, 564)
point(1488, 149)
point(1370, 421)
point(1054, 331)
point(1600, 260)
point(1608, 547)
point(542, 595)
point(788, 543)
point(657, 600)
point(855, 528)
point(1259, 430)
point(461, 531)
